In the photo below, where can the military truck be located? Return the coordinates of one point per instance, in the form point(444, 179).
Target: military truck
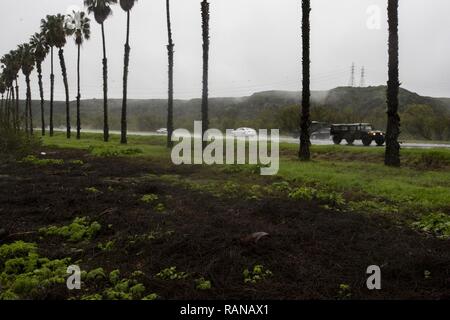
point(357, 131)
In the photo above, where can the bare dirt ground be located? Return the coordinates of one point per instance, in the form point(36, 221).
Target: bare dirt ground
point(311, 251)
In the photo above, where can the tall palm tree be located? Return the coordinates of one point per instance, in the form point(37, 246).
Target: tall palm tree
point(102, 10)
point(52, 29)
point(126, 5)
point(305, 142)
point(40, 50)
point(60, 45)
point(25, 52)
point(392, 156)
point(205, 33)
point(78, 25)
point(170, 52)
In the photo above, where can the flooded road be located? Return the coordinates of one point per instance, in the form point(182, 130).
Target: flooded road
point(286, 139)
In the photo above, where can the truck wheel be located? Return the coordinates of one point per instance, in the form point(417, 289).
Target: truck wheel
point(350, 141)
point(367, 141)
point(337, 140)
point(379, 141)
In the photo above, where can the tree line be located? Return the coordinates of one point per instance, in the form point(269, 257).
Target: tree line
point(56, 29)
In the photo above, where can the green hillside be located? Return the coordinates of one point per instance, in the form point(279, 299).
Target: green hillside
point(422, 117)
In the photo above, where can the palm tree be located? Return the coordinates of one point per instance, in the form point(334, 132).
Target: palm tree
point(25, 52)
point(170, 47)
point(60, 45)
point(205, 29)
point(392, 156)
point(52, 29)
point(102, 10)
point(126, 5)
point(78, 25)
point(12, 63)
point(40, 50)
point(305, 142)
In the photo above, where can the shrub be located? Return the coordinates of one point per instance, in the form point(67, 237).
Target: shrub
point(435, 223)
point(258, 273)
point(24, 274)
point(171, 274)
point(78, 230)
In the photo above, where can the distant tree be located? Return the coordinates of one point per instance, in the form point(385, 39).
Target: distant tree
point(392, 156)
point(2, 92)
point(305, 142)
point(52, 28)
point(126, 5)
point(170, 53)
point(40, 50)
point(78, 25)
point(102, 10)
point(26, 54)
point(205, 29)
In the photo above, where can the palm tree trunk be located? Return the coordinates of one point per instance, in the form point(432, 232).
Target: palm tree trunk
point(170, 47)
point(305, 142)
point(66, 88)
point(123, 138)
point(52, 92)
point(105, 89)
point(1, 108)
point(16, 112)
point(392, 156)
point(41, 93)
point(205, 28)
point(11, 108)
point(78, 94)
point(28, 109)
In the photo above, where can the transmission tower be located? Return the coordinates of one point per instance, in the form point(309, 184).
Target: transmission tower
point(363, 77)
point(352, 76)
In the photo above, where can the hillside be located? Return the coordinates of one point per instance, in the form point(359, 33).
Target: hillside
point(274, 109)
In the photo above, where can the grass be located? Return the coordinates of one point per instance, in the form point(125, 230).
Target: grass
point(416, 188)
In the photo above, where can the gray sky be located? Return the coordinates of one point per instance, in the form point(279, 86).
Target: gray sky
point(255, 46)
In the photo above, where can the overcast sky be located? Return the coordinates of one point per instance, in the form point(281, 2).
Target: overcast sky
point(255, 46)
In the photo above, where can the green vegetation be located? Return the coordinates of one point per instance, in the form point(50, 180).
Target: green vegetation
point(331, 198)
point(202, 284)
point(92, 190)
point(345, 291)
point(80, 229)
point(24, 274)
point(172, 274)
point(435, 223)
point(149, 198)
point(33, 160)
point(257, 274)
point(117, 288)
point(107, 246)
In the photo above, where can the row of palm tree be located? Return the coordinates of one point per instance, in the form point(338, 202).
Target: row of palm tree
point(53, 35)
point(392, 154)
point(54, 30)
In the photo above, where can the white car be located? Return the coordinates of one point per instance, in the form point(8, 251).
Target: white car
point(244, 132)
point(162, 131)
